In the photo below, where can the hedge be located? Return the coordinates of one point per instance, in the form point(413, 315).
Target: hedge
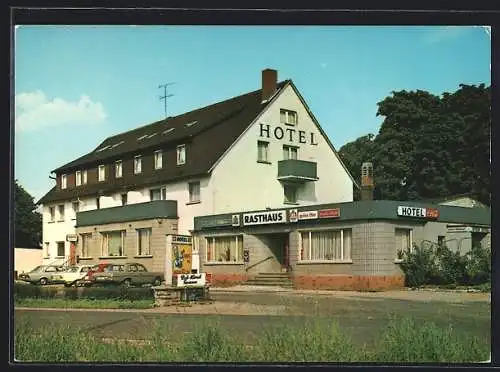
point(22, 290)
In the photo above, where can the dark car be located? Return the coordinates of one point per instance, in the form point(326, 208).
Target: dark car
point(127, 274)
point(41, 274)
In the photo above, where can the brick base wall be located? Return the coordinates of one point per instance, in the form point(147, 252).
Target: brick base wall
point(348, 282)
point(228, 280)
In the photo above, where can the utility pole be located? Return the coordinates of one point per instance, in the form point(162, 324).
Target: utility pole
point(165, 95)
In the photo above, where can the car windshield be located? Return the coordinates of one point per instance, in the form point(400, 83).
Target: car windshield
point(38, 268)
point(73, 269)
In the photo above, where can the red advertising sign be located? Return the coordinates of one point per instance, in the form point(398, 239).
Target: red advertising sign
point(431, 213)
point(329, 213)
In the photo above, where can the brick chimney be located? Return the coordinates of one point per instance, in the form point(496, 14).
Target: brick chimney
point(269, 82)
point(367, 181)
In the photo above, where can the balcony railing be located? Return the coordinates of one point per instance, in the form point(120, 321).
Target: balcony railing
point(293, 170)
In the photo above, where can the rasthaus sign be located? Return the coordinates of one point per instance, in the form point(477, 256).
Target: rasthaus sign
point(261, 218)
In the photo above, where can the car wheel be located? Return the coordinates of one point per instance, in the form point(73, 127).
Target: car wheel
point(43, 281)
point(156, 282)
point(126, 283)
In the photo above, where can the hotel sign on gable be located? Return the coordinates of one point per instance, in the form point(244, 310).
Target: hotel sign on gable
point(417, 212)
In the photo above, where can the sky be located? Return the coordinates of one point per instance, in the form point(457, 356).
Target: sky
point(77, 85)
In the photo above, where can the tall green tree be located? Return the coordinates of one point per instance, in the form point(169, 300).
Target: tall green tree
point(28, 222)
point(429, 146)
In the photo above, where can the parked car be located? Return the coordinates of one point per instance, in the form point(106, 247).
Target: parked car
point(41, 274)
point(127, 274)
point(71, 275)
point(88, 278)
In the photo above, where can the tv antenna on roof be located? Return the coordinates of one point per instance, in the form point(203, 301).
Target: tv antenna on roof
point(165, 95)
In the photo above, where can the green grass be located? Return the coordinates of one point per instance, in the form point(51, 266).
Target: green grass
point(402, 341)
point(83, 303)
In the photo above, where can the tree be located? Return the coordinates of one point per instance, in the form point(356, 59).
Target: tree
point(28, 222)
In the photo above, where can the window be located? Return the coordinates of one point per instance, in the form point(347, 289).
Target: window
point(158, 194)
point(52, 211)
point(262, 151)
point(288, 117)
point(61, 212)
point(78, 178)
point(328, 245)
point(118, 169)
point(124, 199)
point(60, 249)
point(289, 152)
point(113, 243)
point(290, 192)
point(440, 240)
point(64, 181)
point(403, 241)
point(84, 177)
point(137, 165)
point(225, 248)
point(181, 154)
point(85, 244)
point(102, 173)
point(46, 252)
point(144, 242)
point(76, 208)
point(194, 192)
point(158, 159)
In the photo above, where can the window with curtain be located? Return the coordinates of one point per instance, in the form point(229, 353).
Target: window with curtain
point(85, 244)
point(144, 242)
point(328, 245)
point(225, 248)
point(113, 243)
point(403, 241)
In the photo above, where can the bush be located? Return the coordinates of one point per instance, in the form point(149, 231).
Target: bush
point(113, 292)
point(418, 266)
point(478, 265)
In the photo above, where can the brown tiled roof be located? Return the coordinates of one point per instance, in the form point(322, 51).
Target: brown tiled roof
point(216, 127)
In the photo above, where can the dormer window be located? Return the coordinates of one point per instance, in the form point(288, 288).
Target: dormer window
point(78, 178)
point(288, 117)
point(181, 154)
point(101, 173)
point(158, 159)
point(64, 181)
point(118, 169)
point(84, 177)
point(137, 164)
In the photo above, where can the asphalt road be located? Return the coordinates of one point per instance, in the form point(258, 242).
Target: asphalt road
point(363, 319)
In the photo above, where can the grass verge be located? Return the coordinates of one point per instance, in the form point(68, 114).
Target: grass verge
point(402, 341)
point(83, 303)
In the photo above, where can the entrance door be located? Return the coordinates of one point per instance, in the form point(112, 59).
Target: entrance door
point(279, 247)
point(72, 254)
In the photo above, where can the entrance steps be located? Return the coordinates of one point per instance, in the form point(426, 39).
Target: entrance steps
point(271, 280)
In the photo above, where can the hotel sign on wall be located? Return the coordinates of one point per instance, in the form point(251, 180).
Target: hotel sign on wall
point(417, 212)
point(262, 218)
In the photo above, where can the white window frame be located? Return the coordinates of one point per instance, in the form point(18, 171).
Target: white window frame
point(295, 189)
point(288, 151)
point(118, 169)
point(192, 198)
point(265, 146)
point(75, 210)
point(181, 154)
point(78, 178)
point(305, 253)
point(64, 181)
point(52, 214)
point(398, 244)
point(288, 114)
point(84, 177)
point(137, 164)
point(84, 246)
point(57, 248)
point(101, 168)
point(239, 260)
point(61, 216)
point(46, 248)
point(163, 193)
point(105, 243)
point(138, 233)
point(158, 159)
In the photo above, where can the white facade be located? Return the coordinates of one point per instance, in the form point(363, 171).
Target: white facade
point(238, 182)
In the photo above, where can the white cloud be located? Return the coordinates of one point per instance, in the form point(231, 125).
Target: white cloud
point(446, 33)
point(34, 111)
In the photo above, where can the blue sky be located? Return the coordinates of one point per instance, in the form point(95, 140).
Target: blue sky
point(76, 85)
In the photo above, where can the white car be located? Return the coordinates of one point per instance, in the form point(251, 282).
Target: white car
point(71, 275)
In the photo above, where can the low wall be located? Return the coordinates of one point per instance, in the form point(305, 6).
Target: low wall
point(348, 282)
point(26, 259)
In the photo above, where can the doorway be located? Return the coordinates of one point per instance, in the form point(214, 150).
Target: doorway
point(277, 243)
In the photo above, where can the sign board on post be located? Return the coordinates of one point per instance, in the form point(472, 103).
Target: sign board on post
point(177, 256)
point(190, 280)
point(72, 237)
